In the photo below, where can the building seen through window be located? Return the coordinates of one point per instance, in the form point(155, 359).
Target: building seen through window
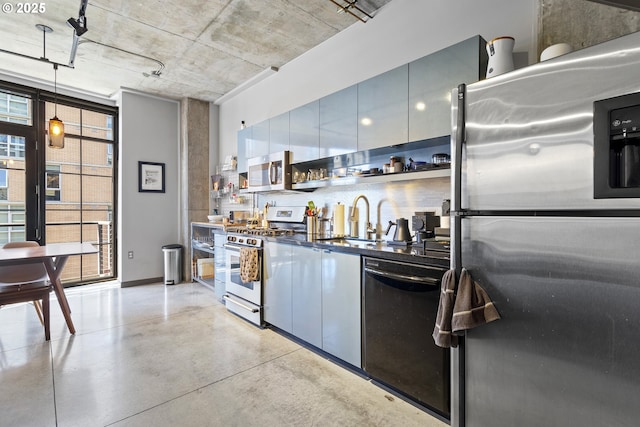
point(79, 183)
point(15, 109)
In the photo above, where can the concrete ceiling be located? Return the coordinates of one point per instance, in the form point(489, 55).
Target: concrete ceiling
point(207, 48)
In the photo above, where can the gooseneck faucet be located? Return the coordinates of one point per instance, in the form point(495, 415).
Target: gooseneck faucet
point(368, 227)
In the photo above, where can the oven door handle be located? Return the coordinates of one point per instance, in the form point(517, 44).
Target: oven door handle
point(246, 307)
point(403, 277)
point(234, 248)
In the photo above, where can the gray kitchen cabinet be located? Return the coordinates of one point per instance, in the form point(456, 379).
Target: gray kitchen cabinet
point(315, 295)
point(341, 302)
point(277, 285)
point(409, 103)
point(431, 80)
point(279, 133)
point(258, 145)
point(304, 132)
point(383, 109)
point(244, 142)
point(307, 294)
point(339, 122)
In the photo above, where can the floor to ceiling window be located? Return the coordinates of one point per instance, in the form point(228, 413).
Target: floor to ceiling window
point(16, 120)
point(76, 188)
point(79, 189)
point(12, 207)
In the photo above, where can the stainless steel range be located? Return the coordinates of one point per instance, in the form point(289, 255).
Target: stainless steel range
point(244, 292)
point(244, 248)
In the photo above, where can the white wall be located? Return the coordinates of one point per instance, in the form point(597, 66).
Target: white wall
point(149, 131)
point(402, 31)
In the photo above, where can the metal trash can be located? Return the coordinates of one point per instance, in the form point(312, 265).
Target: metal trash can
point(172, 264)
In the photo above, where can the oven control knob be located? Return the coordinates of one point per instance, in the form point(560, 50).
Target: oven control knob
point(251, 241)
point(240, 240)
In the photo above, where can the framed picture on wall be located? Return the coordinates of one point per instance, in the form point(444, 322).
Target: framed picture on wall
point(150, 177)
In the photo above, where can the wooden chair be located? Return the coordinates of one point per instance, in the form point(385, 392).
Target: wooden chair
point(25, 283)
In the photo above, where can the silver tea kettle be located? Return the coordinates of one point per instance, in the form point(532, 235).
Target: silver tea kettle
point(402, 230)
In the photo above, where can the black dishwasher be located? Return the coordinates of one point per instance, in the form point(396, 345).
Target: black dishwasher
point(400, 302)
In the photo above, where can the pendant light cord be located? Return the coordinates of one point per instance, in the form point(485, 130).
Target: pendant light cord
point(55, 89)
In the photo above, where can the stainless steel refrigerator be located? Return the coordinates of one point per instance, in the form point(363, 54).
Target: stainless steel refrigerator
point(546, 218)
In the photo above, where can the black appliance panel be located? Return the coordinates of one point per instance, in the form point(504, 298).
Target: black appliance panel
point(616, 129)
point(400, 303)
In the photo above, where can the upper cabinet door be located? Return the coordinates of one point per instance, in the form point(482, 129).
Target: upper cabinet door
point(279, 133)
point(244, 137)
point(431, 80)
point(383, 109)
point(339, 122)
point(304, 136)
point(259, 143)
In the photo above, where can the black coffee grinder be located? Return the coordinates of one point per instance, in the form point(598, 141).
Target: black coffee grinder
point(423, 225)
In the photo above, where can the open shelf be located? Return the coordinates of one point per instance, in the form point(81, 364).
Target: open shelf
point(441, 172)
point(345, 169)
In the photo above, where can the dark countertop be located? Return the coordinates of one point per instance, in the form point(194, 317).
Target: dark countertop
point(435, 253)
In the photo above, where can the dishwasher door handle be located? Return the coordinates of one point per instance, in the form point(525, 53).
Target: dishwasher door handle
point(403, 277)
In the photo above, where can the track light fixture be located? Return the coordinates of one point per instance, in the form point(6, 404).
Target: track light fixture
point(79, 25)
point(56, 127)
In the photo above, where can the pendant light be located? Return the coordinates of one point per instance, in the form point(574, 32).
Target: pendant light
point(56, 127)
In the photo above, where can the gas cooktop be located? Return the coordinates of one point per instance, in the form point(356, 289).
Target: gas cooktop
point(273, 232)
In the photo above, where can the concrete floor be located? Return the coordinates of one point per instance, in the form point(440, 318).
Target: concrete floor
point(173, 356)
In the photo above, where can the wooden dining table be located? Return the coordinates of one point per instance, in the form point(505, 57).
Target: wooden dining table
point(54, 256)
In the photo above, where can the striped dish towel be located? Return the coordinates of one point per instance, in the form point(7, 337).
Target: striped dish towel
point(442, 331)
point(472, 307)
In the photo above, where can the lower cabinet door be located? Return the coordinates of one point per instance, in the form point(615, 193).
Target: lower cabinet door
point(341, 317)
point(306, 291)
point(277, 285)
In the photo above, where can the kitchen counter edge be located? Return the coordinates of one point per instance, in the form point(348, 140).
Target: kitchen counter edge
point(414, 254)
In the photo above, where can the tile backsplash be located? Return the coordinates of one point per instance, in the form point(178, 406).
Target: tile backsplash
point(388, 201)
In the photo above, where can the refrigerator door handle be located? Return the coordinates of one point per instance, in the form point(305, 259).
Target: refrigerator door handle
point(456, 210)
point(459, 141)
point(458, 385)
